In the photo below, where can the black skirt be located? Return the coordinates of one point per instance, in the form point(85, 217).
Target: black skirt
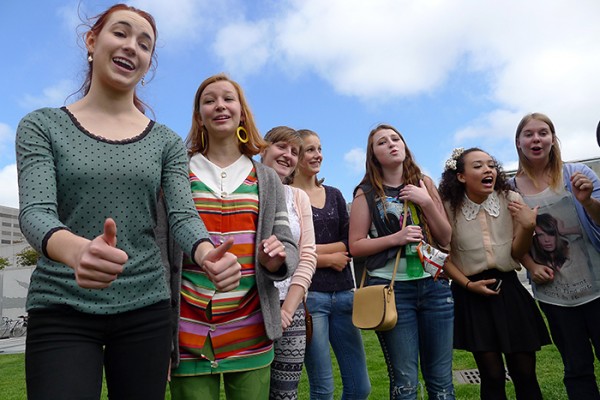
point(510, 322)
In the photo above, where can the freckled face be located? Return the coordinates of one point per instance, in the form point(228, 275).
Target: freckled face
point(220, 108)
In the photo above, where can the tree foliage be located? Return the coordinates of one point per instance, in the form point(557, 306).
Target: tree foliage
point(27, 257)
point(4, 263)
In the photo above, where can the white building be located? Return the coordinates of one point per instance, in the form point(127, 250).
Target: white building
point(9, 223)
point(14, 281)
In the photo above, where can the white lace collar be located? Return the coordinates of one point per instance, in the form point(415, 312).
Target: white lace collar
point(491, 205)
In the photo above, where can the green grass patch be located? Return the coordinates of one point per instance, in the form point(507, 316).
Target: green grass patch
point(549, 371)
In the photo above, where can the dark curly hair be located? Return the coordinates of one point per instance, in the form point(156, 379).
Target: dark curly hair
point(453, 191)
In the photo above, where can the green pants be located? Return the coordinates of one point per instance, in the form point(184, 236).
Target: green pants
point(238, 385)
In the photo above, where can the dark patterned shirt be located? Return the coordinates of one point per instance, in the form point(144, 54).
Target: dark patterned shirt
point(72, 179)
point(331, 225)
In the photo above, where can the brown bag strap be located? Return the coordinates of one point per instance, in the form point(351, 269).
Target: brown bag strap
point(364, 274)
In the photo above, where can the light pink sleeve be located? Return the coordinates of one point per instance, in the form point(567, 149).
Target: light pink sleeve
point(307, 248)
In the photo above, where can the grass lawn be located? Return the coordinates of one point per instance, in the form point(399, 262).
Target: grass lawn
point(549, 370)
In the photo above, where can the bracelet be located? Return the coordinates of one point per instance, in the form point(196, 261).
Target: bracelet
point(467, 285)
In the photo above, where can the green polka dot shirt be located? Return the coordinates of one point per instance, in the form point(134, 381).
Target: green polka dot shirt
point(72, 179)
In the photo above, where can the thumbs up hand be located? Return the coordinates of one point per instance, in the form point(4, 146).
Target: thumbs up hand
point(110, 232)
point(221, 267)
point(100, 261)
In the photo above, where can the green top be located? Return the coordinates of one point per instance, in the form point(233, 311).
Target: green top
point(72, 179)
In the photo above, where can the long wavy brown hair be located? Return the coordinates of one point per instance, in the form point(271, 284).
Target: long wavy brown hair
point(411, 173)
point(554, 166)
point(194, 141)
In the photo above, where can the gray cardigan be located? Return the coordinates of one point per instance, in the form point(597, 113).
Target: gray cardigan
point(272, 219)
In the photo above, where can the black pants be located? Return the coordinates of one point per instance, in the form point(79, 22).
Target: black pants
point(576, 333)
point(66, 351)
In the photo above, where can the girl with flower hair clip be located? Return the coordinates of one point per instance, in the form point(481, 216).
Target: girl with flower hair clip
point(494, 314)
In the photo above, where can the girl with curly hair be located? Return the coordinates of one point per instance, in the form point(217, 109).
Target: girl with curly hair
point(494, 314)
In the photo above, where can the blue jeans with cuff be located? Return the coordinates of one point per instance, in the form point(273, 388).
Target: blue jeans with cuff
point(332, 323)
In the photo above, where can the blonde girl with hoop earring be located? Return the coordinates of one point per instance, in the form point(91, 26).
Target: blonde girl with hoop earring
point(230, 334)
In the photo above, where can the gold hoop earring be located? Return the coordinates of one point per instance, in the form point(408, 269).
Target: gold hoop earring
point(246, 137)
point(202, 139)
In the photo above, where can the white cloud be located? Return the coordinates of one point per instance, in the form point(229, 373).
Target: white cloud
point(176, 18)
point(9, 195)
point(369, 49)
point(71, 16)
point(52, 96)
point(7, 139)
point(5, 133)
point(498, 124)
point(247, 39)
point(372, 49)
point(541, 55)
point(355, 159)
point(510, 166)
point(179, 22)
point(182, 22)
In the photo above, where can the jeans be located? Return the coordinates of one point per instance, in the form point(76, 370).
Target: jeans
point(332, 323)
point(574, 331)
point(66, 351)
point(424, 329)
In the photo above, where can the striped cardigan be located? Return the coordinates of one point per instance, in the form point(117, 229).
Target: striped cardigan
point(272, 206)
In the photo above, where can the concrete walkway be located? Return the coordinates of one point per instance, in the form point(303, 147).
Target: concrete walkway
point(12, 345)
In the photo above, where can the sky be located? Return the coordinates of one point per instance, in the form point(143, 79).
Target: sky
point(445, 73)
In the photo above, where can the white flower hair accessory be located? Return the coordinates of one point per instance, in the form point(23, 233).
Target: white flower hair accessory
point(451, 162)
